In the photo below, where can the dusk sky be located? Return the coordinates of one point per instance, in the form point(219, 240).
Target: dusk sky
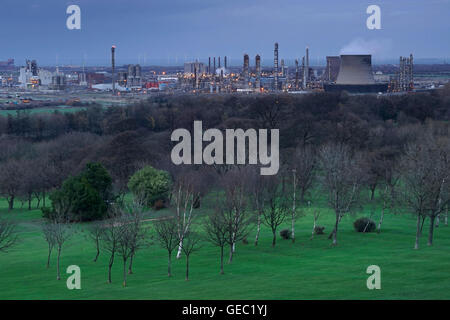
point(172, 31)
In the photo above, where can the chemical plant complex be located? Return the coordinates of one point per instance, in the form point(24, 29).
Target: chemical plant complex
point(352, 73)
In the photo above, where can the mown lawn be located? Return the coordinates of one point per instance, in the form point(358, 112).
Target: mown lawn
point(308, 269)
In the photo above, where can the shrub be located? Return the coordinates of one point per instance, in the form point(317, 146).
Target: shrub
point(150, 185)
point(319, 229)
point(84, 197)
point(364, 223)
point(285, 234)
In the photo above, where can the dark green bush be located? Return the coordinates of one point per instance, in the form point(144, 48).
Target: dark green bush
point(285, 234)
point(364, 223)
point(319, 230)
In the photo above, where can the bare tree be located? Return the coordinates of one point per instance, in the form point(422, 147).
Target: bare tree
point(187, 189)
point(190, 244)
point(94, 233)
point(47, 229)
point(424, 179)
point(258, 190)
point(8, 236)
point(61, 231)
point(276, 209)
point(342, 179)
point(234, 206)
point(135, 214)
point(110, 236)
point(167, 235)
point(217, 232)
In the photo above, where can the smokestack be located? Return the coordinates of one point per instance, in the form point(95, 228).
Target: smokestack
point(275, 65)
point(209, 65)
point(258, 72)
point(296, 74)
point(307, 67)
point(219, 62)
point(113, 65)
point(225, 62)
point(214, 71)
point(245, 69)
point(304, 73)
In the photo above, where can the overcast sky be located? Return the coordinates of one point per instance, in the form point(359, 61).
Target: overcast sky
point(170, 31)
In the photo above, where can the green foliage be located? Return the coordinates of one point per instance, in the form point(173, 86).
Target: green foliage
point(150, 185)
point(84, 197)
point(364, 225)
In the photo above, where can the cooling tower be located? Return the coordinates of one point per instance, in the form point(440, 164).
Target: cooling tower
point(355, 76)
point(355, 69)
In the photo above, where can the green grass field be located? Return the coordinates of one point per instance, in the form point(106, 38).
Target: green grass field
point(308, 269)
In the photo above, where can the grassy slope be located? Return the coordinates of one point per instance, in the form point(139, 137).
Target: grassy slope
point(304, 270)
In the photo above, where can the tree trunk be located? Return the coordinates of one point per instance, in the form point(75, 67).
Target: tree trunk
point(381, 217)
point(437, 220)
point(98, 250)
point(169, 265)
point(179, 249)
point(258, 229)
point(124, 272)
point(446, 218)
point(430, 233)
point(50, 248)
point(274, 240)
point(293, 211)
point(29, 202)
point(335, 231)
point(43, 199)
point(11, 203)
point(416, 246)
point(130, 268)
point(187, 267)
point(111, 261)
point(221, 260)
point(230, 259)
point(58, 275)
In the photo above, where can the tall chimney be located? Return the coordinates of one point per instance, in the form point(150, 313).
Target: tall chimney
point(246, 69)
point(275, 66)
point(296, 74)
point(225, 62)
point(219, 62)
point(258, 72)
point(113, 65)
point(209, 65)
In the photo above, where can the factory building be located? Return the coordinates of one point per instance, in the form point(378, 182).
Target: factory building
point(133, 77)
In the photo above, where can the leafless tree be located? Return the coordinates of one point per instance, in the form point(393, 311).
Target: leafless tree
point(304, 163)
point(190, 244)
point(110, 236)
point(94, 232)
point(47, 229)
point(234, 206)
point(258, 190)
point(217, 232)
point(8, 236)
point(342, 179)
point(167, 236)
point(424, 181)
point(135, 214)
point(60, 232)
point(189, 185)
point(276, 207)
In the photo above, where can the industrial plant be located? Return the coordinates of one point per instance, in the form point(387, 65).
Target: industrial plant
point(350, 73)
